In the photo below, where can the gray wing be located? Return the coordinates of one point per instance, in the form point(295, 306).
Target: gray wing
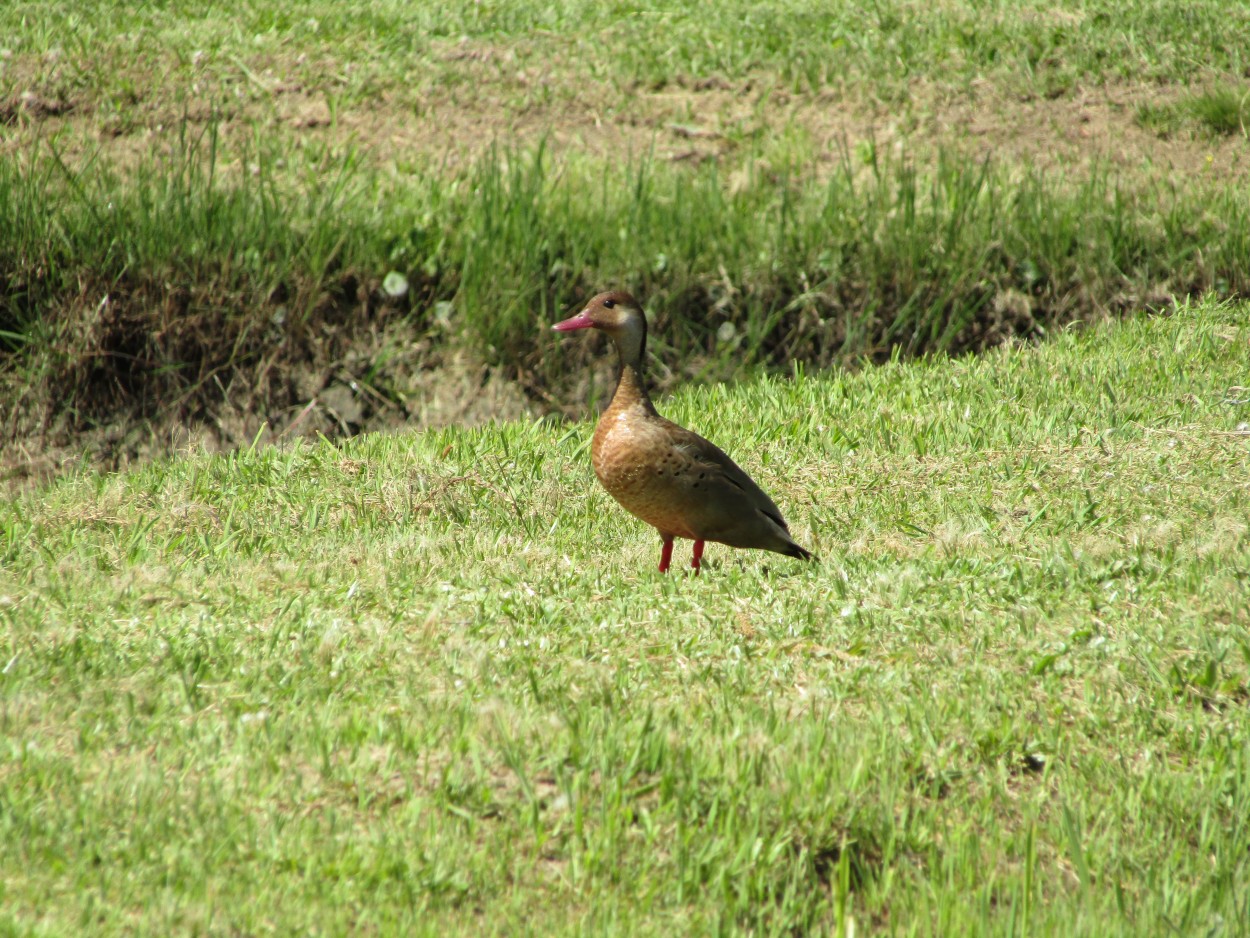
point(725, 503)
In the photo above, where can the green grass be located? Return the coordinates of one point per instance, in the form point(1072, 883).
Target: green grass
point(196, 203)
point(158, 296)
point(430, 683)
point(390, 46)
point(1223, 110)
point(1219, 111)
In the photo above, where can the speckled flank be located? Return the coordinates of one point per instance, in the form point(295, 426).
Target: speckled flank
point(636, 463)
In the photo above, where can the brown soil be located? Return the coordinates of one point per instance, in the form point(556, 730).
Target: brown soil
point(437, 391)
point(494, 103)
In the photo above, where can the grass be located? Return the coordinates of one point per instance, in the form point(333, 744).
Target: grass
point(197, 210)
point(1219, 111)
point(430, 682)
point(387, 46)
point(143, 297)
point(1223, 110)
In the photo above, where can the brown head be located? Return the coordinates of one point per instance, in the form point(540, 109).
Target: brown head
point(620, 316)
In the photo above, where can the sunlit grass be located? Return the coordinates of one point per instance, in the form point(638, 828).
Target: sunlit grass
point(391, 46)
point(432, 682)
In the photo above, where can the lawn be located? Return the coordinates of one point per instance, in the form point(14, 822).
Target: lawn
point(431, 683)
point(962, 285)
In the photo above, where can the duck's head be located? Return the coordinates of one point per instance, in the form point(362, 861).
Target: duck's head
point(613, 312)
point(619, 315)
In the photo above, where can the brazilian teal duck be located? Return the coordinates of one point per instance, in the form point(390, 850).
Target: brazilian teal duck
point(671, 478)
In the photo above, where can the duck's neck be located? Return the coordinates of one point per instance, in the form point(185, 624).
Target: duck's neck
point(631, 344)
point(630, 388)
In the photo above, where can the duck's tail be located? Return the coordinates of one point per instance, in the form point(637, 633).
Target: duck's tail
point(794, 550)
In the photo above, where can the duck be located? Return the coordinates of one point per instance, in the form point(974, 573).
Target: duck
point(673, 479)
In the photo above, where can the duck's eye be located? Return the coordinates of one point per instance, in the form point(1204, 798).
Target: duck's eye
point(608, 304)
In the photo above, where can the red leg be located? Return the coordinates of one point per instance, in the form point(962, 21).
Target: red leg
point(666, 553)
point(697, 557)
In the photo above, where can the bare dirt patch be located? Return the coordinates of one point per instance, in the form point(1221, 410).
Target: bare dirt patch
point(433, 389)
point(1088, 129)
point(699, 118)
point(472, 96)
